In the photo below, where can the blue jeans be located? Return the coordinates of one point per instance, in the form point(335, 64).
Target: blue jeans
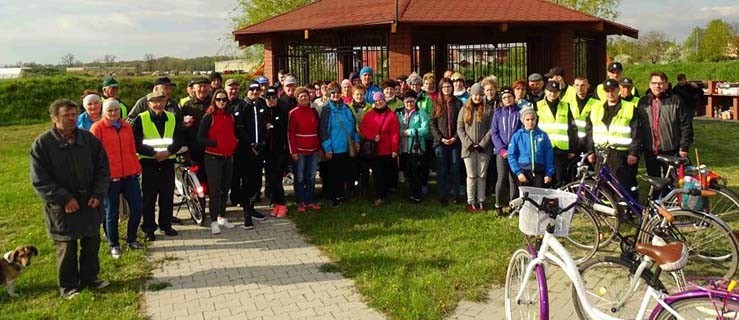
point(448, 157)
point(304, 171)
point(131, 191)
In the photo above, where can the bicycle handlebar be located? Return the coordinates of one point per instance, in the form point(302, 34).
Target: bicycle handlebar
point(515, 203)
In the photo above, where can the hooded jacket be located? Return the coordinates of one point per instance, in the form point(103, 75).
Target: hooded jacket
point(478, 132)
point(527, 145)
point(337, 124)
point(506, 121)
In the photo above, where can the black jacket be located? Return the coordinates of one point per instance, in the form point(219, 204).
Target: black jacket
point(61, 171)
point(675, 129)
point(251, 120)
point(690, 95)
point(160, 122)
point(447, 119)
point(276, 136)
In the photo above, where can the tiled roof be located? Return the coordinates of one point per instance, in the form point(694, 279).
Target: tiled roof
point(331, 14)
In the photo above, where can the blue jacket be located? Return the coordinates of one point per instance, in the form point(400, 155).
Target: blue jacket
point(337, 122)
point(520, 150)
point(505, 123)
point(84, 121)
point(370, 92)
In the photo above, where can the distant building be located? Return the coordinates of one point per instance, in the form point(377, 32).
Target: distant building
point(11, 73)
point(235, 66)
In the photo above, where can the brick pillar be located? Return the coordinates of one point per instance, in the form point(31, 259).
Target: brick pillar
point(272, 48)
point(400, 48)
point(563, 52)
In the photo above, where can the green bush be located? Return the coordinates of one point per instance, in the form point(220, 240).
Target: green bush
point(724, 71)
point(26, 100)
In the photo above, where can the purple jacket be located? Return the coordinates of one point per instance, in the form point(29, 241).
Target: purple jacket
point(505, 123)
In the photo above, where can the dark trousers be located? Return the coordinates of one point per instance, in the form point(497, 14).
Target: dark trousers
point(561, 162)
point(506, 185)
point(220, 170)
point(340, 174)
point(428, 161)
point(251, 175)
point(415, 166)
point(323, 174)
point(73, 272)
point(275, 165)
point(655, 168)
point(448, 158)
point(625, 173)
point(534, 179)
point(382, 167)
point(129, 187)
point(157, 181)
point(492, 178)
point(238, 177)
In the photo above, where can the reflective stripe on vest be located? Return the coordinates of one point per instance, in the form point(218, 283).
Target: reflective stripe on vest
point(584, 114)
point(556, 128)
point(619, 132)
point(151, 134)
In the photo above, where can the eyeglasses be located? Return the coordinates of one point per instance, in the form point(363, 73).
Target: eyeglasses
point(446, 87)
point(221, 99)
point(657, 83)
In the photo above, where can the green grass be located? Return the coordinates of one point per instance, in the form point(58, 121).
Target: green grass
point(21, 222)
point(419, 261)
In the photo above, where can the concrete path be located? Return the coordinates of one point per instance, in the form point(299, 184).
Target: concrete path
point(269, 272)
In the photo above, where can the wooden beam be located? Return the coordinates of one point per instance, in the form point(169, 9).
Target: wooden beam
point(305, 34)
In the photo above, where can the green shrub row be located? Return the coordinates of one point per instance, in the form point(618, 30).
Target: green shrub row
point(26, 100)
point(724, 71)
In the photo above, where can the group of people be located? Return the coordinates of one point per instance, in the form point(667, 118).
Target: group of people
point(476, 137)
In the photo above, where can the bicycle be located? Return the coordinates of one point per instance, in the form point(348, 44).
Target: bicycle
point(526, 295)
point(720, 257)
point(189, 189)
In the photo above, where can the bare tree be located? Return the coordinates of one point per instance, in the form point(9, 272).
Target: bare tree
point(109, 59)
point(68, 60)
point(149, 59)
point(653, 45)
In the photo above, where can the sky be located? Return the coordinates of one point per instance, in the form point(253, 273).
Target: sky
point(43, 31)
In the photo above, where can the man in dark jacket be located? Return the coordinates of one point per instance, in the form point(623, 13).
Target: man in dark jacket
point(664, 125)
point(70, 172)
point(690, 93)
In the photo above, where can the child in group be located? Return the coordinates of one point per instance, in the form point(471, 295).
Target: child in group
point(530, 153)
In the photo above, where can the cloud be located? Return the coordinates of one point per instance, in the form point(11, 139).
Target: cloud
point(730, 11)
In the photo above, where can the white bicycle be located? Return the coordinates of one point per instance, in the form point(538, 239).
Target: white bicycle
point(526, 295)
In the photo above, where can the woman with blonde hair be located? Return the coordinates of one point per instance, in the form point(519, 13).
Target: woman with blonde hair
point(473, 128)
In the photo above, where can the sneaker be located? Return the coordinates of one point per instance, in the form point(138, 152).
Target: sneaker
point(248, 225)
point(115, 252)
point(98, 284)
point(135, 245)
point(170, 232)
point(223, 222)
point(214, 229)
point(258, 216)
point(301, 208)
point(481, 207)
point(69, 294)
point(379, 202)
point(313, 206)
point(273, 212)
point(471, 208)
point(149, 236)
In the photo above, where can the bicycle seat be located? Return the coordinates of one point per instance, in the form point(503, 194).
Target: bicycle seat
point(670, 257)
point(672, 160)
point(658, 183)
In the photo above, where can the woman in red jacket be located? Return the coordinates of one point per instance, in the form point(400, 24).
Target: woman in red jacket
point(381, 125)
point(118, 141)
point(218, 134)
point(305, 146)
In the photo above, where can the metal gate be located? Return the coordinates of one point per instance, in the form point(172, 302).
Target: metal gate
point(507, 61)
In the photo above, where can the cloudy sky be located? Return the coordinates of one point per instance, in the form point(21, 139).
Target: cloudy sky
point(43, 31)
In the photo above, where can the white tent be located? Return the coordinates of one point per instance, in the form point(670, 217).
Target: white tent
point(10, 73)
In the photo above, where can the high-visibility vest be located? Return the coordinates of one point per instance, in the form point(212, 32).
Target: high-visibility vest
point(584, 114)
point(554, 125)
point(602, 92)
point(619, 132)
point(634, 99)
point(151, 134)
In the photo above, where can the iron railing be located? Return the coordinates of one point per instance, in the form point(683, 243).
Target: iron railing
point(507, 61)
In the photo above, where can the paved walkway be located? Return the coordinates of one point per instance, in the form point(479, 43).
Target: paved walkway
point(266, 273)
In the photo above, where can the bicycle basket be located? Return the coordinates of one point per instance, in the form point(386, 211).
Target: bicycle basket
point(533, 222)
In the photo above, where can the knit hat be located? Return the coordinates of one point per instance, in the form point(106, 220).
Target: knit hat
point(506, 90)
point(526, 111)
point(377, 96)
point(110, 103)
point(90, 98)
point(353, 76)
point(365, 70)
point(477, 89)
point(346, 83)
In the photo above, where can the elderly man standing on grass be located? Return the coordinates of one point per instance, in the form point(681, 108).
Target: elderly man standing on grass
point(70, 172)
point(163, 85)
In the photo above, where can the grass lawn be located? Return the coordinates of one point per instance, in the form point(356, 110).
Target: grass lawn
point(419, 261)
point(409, 261)
point(21, 222)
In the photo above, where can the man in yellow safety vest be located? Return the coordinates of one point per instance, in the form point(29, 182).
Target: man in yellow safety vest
point(558, 121)
point(615, 72)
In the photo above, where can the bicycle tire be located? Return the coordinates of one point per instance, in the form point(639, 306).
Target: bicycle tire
point(712, 245)
point(610, 222)
point(583, 239)
point(724, 205)
point(703, 307)
point(195, 205)
point(531, 307)
point(601, 275)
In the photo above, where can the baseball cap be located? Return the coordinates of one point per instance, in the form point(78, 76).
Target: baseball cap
point(253, 84)
point(291, 80)
point(199, 81)
point(627, 82)
point(164, 81)
point(231, 82)
point(556, 71)
point(552, 86)
point(155, 95)
point(615, 67)
point(270, 92)
point(610, 84)
point(109, 82)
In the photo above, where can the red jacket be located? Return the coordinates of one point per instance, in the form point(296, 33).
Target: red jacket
point(218, 133)
point(389, 135)
point(302, 130)
point(120, 147)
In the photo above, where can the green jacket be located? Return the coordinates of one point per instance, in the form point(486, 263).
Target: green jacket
point(416, 126)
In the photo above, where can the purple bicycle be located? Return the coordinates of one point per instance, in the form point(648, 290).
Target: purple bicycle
point(526, 296)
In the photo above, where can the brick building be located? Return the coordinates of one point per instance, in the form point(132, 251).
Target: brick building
point(328, 39)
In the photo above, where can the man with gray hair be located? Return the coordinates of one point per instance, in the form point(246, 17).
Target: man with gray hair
point(536, 88)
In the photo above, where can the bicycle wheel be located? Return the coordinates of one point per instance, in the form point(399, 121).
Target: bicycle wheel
point(530, 306)
point(724, 205)
point(195, 205)
point(712, 246)
point(720, 307)
point(608, 222)
point(583, 237)
point(607, 283)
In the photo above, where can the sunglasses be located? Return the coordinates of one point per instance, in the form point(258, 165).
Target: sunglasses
point(222, 99)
